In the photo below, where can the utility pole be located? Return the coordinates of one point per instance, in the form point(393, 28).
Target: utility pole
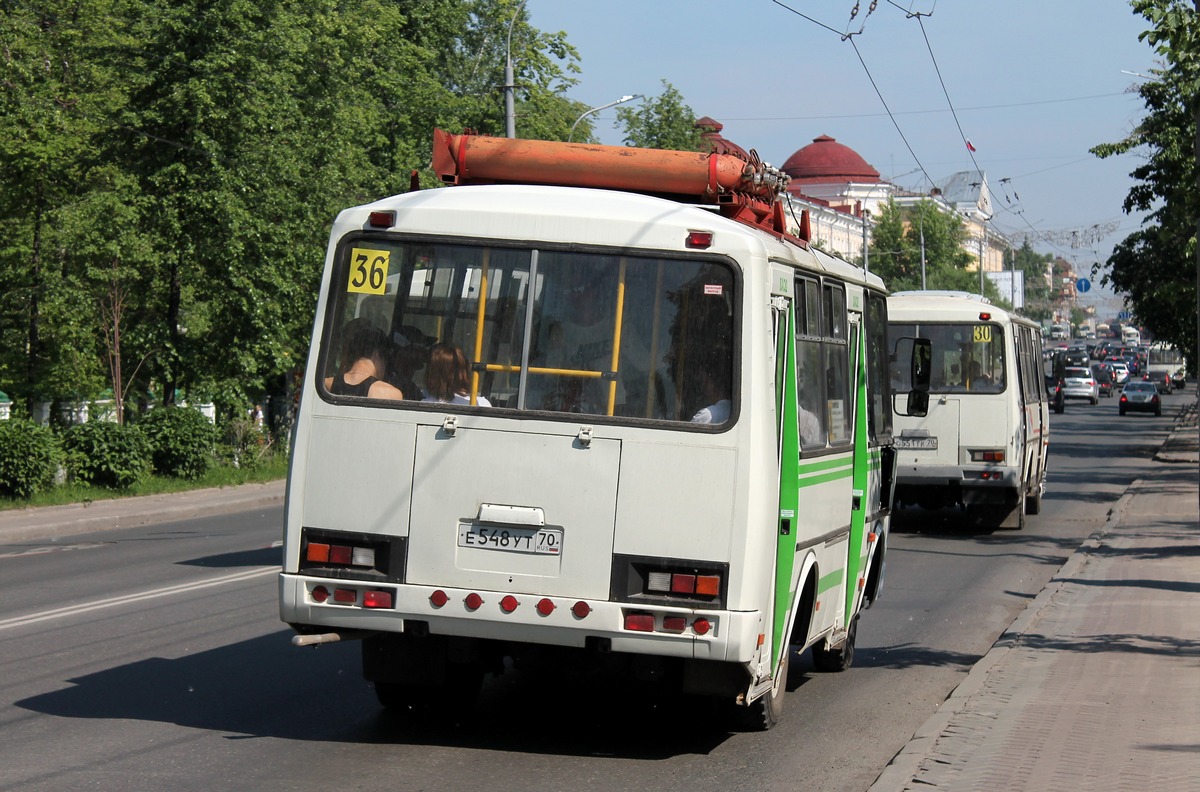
point(866, 248)
point(982, 242)
point(510, 115)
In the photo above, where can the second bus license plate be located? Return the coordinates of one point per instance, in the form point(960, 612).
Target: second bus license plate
point(540, 541)
point(919, 443)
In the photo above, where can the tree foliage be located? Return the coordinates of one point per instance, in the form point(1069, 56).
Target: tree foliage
point(661, 122)
point(1157, 266)
point(896, 245)
point(171, 169)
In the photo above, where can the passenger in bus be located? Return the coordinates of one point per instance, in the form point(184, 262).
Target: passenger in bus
point(715, 387)
point(364, 352)
point(409, 354)
point(810, 427)
point(976, 379)
point(448, 377)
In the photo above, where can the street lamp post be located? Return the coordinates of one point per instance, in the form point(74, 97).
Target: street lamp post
point(510, 116)
point(622, 100)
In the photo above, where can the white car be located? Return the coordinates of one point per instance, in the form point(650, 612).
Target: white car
point(1078, 383)
point(1120, 372)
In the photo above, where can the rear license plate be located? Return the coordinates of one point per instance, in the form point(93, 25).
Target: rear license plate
point(918, 443)
point(539, 541)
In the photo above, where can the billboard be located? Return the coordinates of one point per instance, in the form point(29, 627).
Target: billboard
point(1011, 286)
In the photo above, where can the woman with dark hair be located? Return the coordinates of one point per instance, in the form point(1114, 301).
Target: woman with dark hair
point(447, 377)
point(363, 354)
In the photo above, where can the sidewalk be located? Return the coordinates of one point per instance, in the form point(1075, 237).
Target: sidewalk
point(1096, 685)
point(19, 525)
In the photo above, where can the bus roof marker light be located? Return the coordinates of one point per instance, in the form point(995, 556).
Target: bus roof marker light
point(984, 316)
point(381, 219)
point(698, 240)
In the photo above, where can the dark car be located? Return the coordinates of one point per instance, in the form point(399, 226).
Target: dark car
point(1103, 375)
point(1140, 396)
point(1076, 357)
point(1161, 380)
point(1054, 393)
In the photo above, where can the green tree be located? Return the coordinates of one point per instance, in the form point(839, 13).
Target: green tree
point(1158, 265)
point(58, 84)
point(1038, 294)
point(661, 122)
point(896, 243)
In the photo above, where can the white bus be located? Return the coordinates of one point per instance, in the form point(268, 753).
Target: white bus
point(1130, 335)
point(982, 446)
point(668, 448)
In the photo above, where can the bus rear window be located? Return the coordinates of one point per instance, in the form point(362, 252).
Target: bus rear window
point(636, 337)
point(967, 357)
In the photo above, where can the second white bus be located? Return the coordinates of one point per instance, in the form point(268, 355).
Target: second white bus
point(982, 446)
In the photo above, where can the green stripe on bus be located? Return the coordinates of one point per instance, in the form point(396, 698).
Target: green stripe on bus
point(810, 481)
point(832, 580)
point(826, 464)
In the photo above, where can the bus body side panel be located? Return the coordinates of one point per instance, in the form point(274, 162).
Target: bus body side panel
point(786, 574)
point(856, 563)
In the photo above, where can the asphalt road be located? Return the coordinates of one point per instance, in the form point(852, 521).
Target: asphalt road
point(153, 658)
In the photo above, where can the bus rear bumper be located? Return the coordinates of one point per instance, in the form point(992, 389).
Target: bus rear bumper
point(717, 635)
point(949, 485)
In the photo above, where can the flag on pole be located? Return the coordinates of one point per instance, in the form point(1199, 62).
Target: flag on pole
point(970, 147)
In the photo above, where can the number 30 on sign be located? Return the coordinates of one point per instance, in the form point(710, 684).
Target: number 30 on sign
point(368, 270)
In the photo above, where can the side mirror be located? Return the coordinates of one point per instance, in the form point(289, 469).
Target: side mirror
point(911, 373)
point(918, 404)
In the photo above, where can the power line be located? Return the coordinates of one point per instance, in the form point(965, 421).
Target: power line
point(850, 37)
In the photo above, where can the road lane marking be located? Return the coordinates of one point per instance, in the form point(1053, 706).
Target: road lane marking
point(111, 602)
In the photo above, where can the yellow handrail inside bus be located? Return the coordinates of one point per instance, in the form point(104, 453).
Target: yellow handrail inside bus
point(479, 317)
point(616, 352)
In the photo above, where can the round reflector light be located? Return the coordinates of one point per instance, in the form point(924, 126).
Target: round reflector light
point(473, 601)
point(509, 603)
point(320, 594)
point(439, 598)
point(701, 626)
point(581, 609)
point(545, 607)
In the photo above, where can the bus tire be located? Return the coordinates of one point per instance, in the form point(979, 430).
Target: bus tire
point(765, 712)
point(839, 658)
point(1033, 503)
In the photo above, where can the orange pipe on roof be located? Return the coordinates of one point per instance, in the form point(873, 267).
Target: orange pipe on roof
point(476, 159)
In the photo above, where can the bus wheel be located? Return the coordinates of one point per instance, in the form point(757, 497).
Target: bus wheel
point(1033, 503)
point(840, 658)
point(767, 709)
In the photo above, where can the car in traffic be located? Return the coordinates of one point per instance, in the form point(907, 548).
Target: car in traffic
point(1140, 396)
point(1179, 379)
point(1078, 383)
point(1103, 374)
point(1075, 356)
point(1161, 380)
point(1054, 393)
point(1120, 370)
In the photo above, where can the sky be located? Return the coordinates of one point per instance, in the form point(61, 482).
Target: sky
point(1033, 85)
